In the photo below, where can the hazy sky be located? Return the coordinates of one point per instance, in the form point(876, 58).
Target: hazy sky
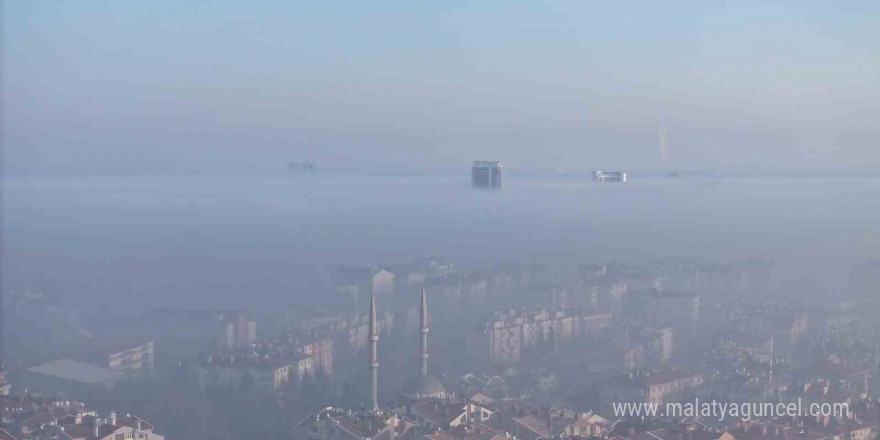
point(575, 84)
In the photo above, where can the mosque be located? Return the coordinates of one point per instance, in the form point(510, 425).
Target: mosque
point(419, 386)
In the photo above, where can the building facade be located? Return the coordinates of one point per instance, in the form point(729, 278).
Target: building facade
point(486, 174)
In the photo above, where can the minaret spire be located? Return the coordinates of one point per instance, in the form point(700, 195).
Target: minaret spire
point(423, 330)
point(374, 357)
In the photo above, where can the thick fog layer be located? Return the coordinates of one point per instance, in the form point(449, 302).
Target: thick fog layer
point(441, 220)
point(248, 241)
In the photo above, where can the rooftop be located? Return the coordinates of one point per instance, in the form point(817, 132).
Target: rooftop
point(651, 378)
point(75, 370)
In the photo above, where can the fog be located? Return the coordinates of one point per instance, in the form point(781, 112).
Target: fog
point(254, 241)
point(223, 85)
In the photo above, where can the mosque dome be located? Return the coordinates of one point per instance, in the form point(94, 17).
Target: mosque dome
point(421, 387)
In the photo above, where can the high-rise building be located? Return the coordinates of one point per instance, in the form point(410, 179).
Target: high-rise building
point(236, 330)
point(609, 176)
point(486, 174)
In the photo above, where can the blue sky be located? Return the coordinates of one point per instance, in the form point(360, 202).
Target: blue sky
point(574, 84)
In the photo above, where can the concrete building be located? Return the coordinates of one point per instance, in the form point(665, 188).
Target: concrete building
point(269, 365)
point(609, 176)
point(267, 374)
point(349, 332)
point(359, 283)
point(138, 359)
point(504, 335)
point(460, 289)
point(5, 387)
point(486, 174)
point(236, 330)
point(320, 350)
point(646, 387)
point(678, 310)
point(410, 276)
point(358, 330)
point(666, 343)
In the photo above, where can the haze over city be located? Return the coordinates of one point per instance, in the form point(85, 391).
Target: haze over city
point(439, 220)
point(550, 84)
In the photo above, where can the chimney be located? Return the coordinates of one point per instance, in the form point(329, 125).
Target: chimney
point(764, 430)
point(97, 425)
point(826, 421)
point(113, 418)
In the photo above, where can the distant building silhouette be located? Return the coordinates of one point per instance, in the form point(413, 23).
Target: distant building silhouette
point(486, 174)
point(609, 176)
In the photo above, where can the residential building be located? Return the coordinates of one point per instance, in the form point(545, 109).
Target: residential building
point(559, 423)
point(236, 331)
point(486, 174)
point(678, 310)
point(647, 387)
point(503, 336)
point(28, 418)
point(4, 384)
point(336, 424)
point(360, 282)
point(609, 176)
point(267, 373)
point(320, 350)
point(135, 359)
